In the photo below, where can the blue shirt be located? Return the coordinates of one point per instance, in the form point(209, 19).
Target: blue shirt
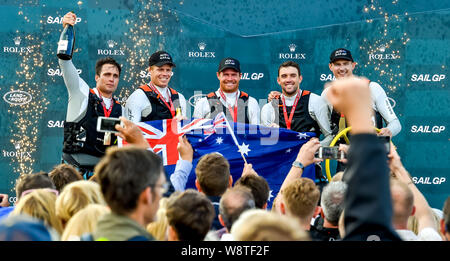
point(4, 212)
point(180, 176)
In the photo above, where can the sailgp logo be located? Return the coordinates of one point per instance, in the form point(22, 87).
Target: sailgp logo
point(201, 53)
point(59, 20)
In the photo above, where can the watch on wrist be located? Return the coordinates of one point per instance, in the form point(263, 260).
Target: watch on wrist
point(298, 164)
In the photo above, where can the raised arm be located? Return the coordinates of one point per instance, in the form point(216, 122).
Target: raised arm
point(77, 88)
point(368, 204)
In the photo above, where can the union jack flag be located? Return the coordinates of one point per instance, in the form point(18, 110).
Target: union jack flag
point(162, 136)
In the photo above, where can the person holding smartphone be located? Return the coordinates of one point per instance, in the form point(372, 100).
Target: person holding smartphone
point(83, 144)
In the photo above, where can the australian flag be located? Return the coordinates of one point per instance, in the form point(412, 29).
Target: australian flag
point(271, 151)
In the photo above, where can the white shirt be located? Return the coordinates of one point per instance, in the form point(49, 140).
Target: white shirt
point(78, 92)
point(380, 103)
point(426, 234)
point(317, 109)
point(202, 109)
point(138, 106)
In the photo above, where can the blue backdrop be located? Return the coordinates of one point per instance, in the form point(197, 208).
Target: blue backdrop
point(403, 45)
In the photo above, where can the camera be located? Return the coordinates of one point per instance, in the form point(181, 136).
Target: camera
point(106, 124)
point(331, 153)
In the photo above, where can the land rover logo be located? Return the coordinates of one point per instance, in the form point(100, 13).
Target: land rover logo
point(194, 99)
point(17, 97)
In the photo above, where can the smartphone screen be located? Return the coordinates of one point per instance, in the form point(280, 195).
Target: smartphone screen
point(107, 124)
point(330, 153)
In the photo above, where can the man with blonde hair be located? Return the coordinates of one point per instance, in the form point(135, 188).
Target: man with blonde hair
point(299, 200)
point(261, 225)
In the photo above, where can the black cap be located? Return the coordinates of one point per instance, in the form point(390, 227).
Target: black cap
point(160, 58)
point(229, 63)
point(341, 54)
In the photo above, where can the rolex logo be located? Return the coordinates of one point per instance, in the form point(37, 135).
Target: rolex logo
point(200, 53)
point(17, 40)
point(111, 43)
point(201, 46)
point(381, 53)
point(292, 54)
point(17, 145)
point(292, 47)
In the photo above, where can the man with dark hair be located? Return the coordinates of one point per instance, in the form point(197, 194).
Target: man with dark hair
point(83, 144)
point(445, 221)
point(213, 178)
point(259, 188)
point(64, 174)
point(213, 175)
point(156, 100)
point(26, 182)
point(342, 65)
point(190, 216)
point(296, 109)
point(132, 181)
point(237, 105)
point(233, 203)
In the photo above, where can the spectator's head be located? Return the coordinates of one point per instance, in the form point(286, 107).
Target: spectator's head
point(445, 221)
point(84, 221)
point(259, 188)
point(76, 196)
point(132, 181)
point(332, 201)
point(190, 216)
point(40, 204)
point(33, 181)
point(64, 174)
point(299, 200)
point(158, 228)
point(261, 225)
point(26, 228)
point(402, 204)
point(235, 201)
point(213, 175)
